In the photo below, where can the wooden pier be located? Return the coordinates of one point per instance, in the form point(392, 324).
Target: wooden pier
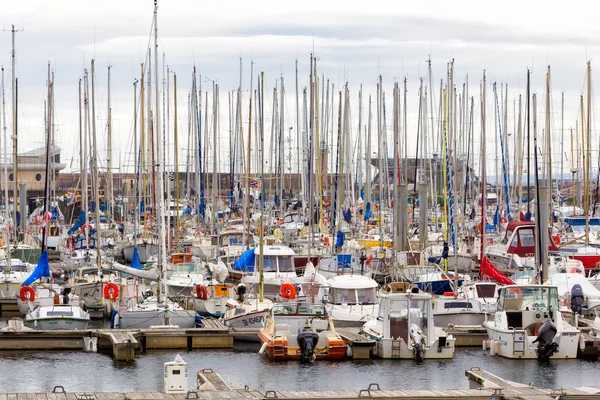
point(483, 386)
point(124, 344)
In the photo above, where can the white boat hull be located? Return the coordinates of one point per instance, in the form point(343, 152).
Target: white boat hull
point(144, 319)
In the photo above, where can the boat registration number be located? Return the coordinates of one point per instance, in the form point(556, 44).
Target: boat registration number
point(253, 320)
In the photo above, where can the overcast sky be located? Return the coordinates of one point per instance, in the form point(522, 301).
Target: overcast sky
point(355, 41)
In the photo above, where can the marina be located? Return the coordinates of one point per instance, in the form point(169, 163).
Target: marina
point(223, 230)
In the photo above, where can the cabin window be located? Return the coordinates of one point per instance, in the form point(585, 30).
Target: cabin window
point(486, 290)
point(526, 238)
point(366, 296)
point(286, 264)
point(38, 177)
point(458, 304)
point(11, 177)
point(344, 296)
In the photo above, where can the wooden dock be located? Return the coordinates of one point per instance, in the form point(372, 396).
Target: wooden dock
point(483, 386)
point(124, 344)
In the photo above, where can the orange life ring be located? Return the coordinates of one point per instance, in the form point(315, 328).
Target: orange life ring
point(503, 220)
point(111, 291)
point(556, 239)
point(201, 292)
point(27, 293)
point(369, 259)
point(327, 241)
point(288, 291)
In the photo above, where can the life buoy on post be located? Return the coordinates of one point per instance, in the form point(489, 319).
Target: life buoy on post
point(288, 291)
point(201, 292)
point(27, 293)
point(369, 259)
point(111, 291)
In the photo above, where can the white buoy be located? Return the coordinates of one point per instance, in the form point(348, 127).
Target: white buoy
point(263, 348)
point(492, 347)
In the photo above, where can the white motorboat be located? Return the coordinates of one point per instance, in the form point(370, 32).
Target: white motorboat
point(343, 264)
point(182, 278)
point(12, 278)
point(528, 324)
point(67, 315)
point(278, 268)
point(150, 312)
point(211, 300)
point(352, 300)
point(405, 328)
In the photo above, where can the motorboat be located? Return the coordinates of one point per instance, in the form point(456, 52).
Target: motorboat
point(568, 284)
point(352, 300)
point(405, 328)
point(528, 324)
point(211, 298)
point(58, 313)
point(182, 278)
point(343, 264)
point(438, 282)
point(299, 331)
point(278, 268)
point(11, 278)
point(152, 311)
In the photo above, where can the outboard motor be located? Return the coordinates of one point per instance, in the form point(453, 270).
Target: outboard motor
point(241, 292)
point(577, 299)
point(418, 338)
point(65, 293)
point(307, 340)
point(545, 339)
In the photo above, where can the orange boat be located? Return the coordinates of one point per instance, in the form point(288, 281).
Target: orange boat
point(298, 331)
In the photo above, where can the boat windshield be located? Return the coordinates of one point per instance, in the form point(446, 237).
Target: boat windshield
point(528, 298)
point(525, 274)
point(286, 264)
point(353, 296)
point(94, 272)
point(186, 268)
point(299, 309)
point(413, 310)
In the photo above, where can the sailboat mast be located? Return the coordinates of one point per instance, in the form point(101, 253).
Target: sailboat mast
point(483, 171)
point(176, 144)
point(160, 189)
point(109, 196)
point(15, 136)
point(6, 232)
point(84, 160)
point(95, 172)
point(588, 154)
point(262, 188)
point(136, 202)
point(247, 209)
point(47, 173)
point(528, 148)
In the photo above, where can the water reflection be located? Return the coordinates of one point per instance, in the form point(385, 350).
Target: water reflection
point(76, 371)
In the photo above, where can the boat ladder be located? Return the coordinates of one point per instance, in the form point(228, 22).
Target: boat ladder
point(396, 348)
point(519, 342)
point(279, 351)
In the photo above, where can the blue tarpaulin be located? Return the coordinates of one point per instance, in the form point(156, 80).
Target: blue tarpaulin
point(135, 260)
point(42, 269)
point(339, 242)
point(78, 224)
point(245, 262)
point(347, 215)
point(368, 211)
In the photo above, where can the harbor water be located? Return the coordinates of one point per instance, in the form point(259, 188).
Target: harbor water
point(77, 371)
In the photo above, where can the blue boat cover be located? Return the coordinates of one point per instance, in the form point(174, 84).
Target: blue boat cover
point(368, 211)
point(245, 262)
point(135, 260)
point(78, 224)
point(42, 269)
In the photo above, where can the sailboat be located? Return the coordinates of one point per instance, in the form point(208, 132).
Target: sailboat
point(156, 309)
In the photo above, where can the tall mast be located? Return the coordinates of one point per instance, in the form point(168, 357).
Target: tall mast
point(96, 178)
point(15, 136)
point(84, 154)
point(368, 158)
point(249, 157)
point(549, 142)
point(528, 148)
point(588, 154)
point(136, 208)
point(262, 187)
point(176, 143)
point(160, 190)
point(109, 196)
point(483, 172)
point(214, 171)
point(6, 211)
point(143, 146)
